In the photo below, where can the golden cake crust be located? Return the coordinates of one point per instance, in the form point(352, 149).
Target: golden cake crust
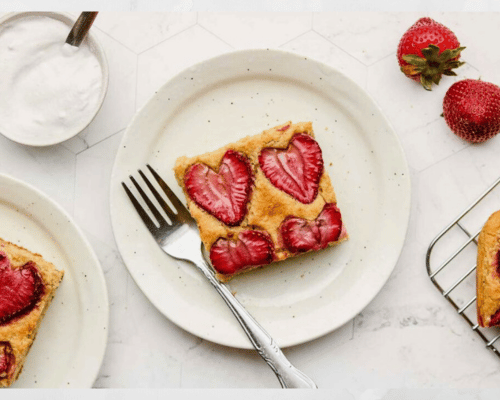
point(487, 277)
point(21, 332)
point(268, 205)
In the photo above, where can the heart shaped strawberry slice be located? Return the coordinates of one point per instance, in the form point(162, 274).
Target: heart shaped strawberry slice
point(7, 360)
point(20, 289)
point(300, 235)
point(224, 194)
point(253, 248)
point(296, 170)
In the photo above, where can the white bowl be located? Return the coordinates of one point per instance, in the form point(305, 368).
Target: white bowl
point(95, 48)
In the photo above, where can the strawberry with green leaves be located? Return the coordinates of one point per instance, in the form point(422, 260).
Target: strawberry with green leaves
point(427, 51)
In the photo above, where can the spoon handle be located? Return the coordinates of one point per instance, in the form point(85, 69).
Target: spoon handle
point(81, 28)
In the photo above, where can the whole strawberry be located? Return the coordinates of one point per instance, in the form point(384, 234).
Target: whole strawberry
point(471, 109)
point(427, 51)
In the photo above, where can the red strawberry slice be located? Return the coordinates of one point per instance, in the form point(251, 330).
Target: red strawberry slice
point(253, 248)
point(496, 263)
point(495, 319)
point(224, 194)
point(300, 235)
point(7, 360)
point(20, 289)
point(296, 170)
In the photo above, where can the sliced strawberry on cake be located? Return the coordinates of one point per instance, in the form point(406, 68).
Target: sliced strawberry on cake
point(225, 193)
point(20, 289)
point(297, 169)
point(250, 249)
point(300, 235)
point(7, 362)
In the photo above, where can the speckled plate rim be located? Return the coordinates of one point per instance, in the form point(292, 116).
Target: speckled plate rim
point(95, 47)
point(131, 156)
point(87, 274)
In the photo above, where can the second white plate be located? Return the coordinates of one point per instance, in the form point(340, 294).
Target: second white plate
point(237, 94)
point(70, 344)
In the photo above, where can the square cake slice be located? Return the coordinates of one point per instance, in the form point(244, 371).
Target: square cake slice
point(488, 273)
point(27, 286)
point(262, 199)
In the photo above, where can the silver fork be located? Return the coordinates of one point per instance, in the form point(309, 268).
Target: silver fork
point(180, 239)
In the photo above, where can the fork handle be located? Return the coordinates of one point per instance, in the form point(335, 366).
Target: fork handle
point(288, 375)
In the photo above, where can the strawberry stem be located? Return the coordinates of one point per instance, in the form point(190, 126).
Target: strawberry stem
point(433, 65)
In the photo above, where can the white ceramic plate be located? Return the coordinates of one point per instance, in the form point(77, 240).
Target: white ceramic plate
point(237, 94)
point(70, 343)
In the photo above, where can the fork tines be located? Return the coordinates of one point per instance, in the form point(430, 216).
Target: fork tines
point(176, 203)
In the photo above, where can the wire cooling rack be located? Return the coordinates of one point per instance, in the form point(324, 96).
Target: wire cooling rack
point(453, 265)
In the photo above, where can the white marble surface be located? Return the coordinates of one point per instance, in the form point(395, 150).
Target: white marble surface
point(408, 336)
point(254, 5)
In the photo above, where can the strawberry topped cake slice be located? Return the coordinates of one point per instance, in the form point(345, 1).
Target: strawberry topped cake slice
point(27, 286)
point(488, 273)
point(262, 199)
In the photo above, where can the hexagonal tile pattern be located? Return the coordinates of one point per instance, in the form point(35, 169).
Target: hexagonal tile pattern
point(258, 5)
point(430, 143)
point(51, 169)
point(403, 100)
point(314, 46)
point(163, 61)
point(119, 104)
point(361, 35)
point(465, 27)
point(131, 313)
point(155, 5)
point(8, 6)
point(92, 181)
point(447, 174)
point(256, 29)
point(56, 5)
point(155, 27)
point(445, 190)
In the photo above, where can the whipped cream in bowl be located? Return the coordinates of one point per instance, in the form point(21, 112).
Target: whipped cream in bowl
point(49, 90)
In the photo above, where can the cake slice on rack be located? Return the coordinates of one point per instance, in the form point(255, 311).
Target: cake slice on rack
point(488, 273)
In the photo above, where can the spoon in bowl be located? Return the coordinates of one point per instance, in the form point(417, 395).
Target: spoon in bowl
point(81, 28)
